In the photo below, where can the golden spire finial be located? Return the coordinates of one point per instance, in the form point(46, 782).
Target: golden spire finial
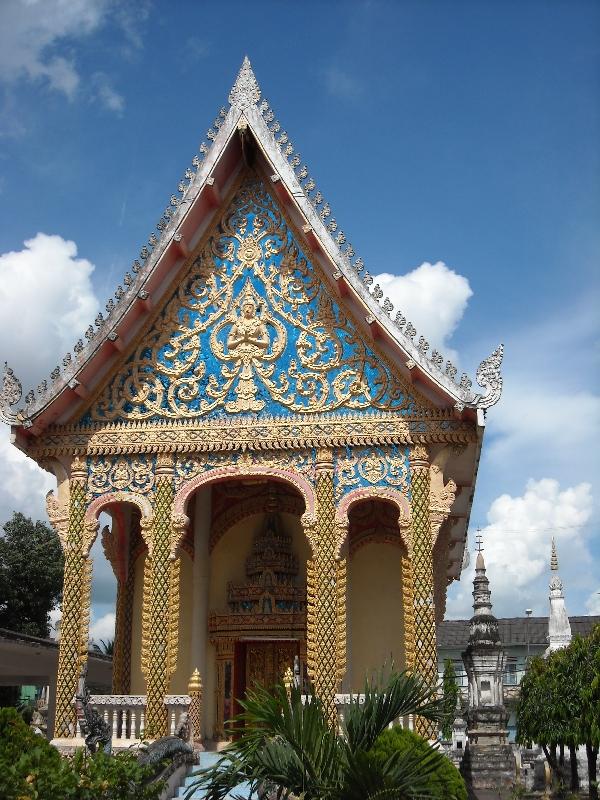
point(195, 682)
point(554, 557)
point(288, 680)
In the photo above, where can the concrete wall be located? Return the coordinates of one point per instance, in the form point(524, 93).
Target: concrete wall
point(375, 617)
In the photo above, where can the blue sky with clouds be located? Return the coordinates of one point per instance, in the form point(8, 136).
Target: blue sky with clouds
point(462, 136)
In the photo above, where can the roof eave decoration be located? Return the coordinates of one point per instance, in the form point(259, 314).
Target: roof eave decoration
point(245, 99)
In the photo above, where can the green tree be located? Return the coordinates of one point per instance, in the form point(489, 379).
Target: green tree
point(446, 781)
point(32, 769)
point(582, 676)
point(31, 572)
point(560, 706)
point(285, 746)
point(450, 692)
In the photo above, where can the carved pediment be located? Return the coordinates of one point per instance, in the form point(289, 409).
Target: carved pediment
point(250, 329)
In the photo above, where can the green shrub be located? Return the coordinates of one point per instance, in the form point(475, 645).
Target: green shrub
point(32, 769)
point(446, 780)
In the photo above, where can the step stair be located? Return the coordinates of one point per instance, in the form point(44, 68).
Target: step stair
point(208, 759)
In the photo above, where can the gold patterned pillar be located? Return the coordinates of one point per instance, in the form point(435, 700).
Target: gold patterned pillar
point(73, 648)
point(328, 656)
point(425, 659)
point(162, 598)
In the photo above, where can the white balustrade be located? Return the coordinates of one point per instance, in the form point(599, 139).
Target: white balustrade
point(125, 714)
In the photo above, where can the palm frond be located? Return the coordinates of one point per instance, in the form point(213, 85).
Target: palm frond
point(402, 695)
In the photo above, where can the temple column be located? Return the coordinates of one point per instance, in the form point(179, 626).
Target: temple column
point(200, 586)
point(161, 600)
point(326, 589)
point(73, 647)
point(425, 657)
point(119, 554)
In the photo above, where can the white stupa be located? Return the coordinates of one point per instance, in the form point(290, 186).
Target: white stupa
point(559, 627)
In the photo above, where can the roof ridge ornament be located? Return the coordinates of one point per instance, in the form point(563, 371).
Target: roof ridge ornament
point(489, 376)
point(10, 394)
point(245, 91)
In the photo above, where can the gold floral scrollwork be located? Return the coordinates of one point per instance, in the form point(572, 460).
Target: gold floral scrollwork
point(373, 466)
point(218, 343)
point(58, 514)
point(122, 474)
point(179, 523)
point(441, 498)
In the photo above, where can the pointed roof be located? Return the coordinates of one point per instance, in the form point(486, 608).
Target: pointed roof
point(178, 229)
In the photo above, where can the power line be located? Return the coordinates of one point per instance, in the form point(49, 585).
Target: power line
point(492, 529)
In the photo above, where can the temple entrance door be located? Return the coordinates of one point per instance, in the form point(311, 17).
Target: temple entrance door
point(263, 662)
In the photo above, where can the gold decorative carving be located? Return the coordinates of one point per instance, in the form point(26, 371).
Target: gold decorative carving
point(78, 469)
point(187, 468)
point(441, 498)
point(58, 514)
point(135, 475)
point(372, 467)
point(409, 612)
point(330, 366)
point(179, 523)
point(341, 568)
point(90, 531)
point(266, 433)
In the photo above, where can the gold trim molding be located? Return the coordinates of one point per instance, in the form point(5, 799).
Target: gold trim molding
point(269, 433)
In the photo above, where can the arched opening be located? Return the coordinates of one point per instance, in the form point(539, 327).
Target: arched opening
point(246, 595)
point(375, 601)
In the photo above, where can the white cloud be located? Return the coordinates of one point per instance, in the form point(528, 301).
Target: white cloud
point(103, 628)
point(592, 604)
point(46, 302)
point(433, 297)
point(30, 29)
point(23, 485)
point(517, 542)
point(106, 95)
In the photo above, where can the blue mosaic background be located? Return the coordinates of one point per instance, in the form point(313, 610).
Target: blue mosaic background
point(298, 291)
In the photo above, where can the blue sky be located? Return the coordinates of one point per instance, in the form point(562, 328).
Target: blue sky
point(465, 133)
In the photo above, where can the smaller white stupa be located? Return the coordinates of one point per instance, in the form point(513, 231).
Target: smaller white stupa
point(559, 627)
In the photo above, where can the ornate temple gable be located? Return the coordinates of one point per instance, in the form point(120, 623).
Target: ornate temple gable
point(252, 329)
point(248, 123)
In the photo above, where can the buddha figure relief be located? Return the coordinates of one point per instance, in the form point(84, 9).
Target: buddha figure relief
point(247, 342)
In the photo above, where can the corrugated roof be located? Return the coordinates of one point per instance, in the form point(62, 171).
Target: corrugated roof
point(454, 633)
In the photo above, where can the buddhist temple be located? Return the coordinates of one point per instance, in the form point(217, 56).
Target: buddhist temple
point(287, 465)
